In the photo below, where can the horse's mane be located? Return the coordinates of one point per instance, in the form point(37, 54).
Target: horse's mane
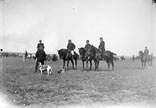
point(95, 49)
point(82, 48)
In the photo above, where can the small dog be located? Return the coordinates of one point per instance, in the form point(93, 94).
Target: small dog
point(62, 71)
point(46, 68)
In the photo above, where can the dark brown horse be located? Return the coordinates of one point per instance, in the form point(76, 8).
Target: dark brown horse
point(86, 56)
point(66, 55)
point(108, 57)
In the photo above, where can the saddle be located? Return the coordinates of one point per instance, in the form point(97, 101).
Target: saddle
point(70, 51)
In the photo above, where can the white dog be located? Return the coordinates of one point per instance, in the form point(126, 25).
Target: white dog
point(46, 68)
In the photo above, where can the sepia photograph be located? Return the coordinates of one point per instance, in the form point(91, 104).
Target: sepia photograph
point(77, 53)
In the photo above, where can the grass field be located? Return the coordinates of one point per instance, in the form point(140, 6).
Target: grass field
point(127, 84)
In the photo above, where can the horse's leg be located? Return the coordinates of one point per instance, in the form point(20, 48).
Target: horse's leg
point(145, 64)
point(67, 64)
point(149, 63)
point(72, 63)
point(90, 64)
point(87, 64)
point(95, 63)
point(98, 64)
point(112, 65)
point(63, 64)
point(76, 63)
point(83, 64)
point(108, 64)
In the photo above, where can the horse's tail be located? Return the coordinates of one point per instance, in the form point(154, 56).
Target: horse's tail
point(111, 53)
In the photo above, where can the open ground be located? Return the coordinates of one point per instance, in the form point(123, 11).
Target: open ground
point(127, 84)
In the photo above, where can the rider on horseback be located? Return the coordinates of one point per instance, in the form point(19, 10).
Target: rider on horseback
point(102, 47)
point(71, 46)
point(146, 51)
point(88, 45)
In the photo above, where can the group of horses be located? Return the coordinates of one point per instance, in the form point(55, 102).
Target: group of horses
point(92, 54)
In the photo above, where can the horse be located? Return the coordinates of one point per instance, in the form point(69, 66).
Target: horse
point(122, 58)
point(85, 57)
point(108, 56)
point(145, 59)
point(66, 55)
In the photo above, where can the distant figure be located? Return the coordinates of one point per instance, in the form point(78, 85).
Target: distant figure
point(41, 57)
point(25, 55)
point(133, 58)
point(87, 46)
point(71, 46)
point(122, 58)
point(146, 51)
point(102, 47)
point(145, 58)
point(1, 51)
point(40, 45)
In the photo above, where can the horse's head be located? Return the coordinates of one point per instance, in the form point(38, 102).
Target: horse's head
point(82, 51)
point(141, 53)
point(62, 53)
point(75, 55)
point(92, 51)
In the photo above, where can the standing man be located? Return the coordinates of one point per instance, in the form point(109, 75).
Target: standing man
point(40, 54)
point(87, 46)
point(40, 45)
point(71, 46)
point(102, 47)
point(25, 55)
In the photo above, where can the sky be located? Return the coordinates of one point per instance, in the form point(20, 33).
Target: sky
point(127, 26)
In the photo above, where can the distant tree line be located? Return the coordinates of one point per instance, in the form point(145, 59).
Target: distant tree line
point(53, 57)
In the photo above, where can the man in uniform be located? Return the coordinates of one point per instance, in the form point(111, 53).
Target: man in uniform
point(40, 54)
point(26, 55)
point(40, 45)
point(87, 46)
point(71, 46)
point(146, 52)
point(102, 47)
